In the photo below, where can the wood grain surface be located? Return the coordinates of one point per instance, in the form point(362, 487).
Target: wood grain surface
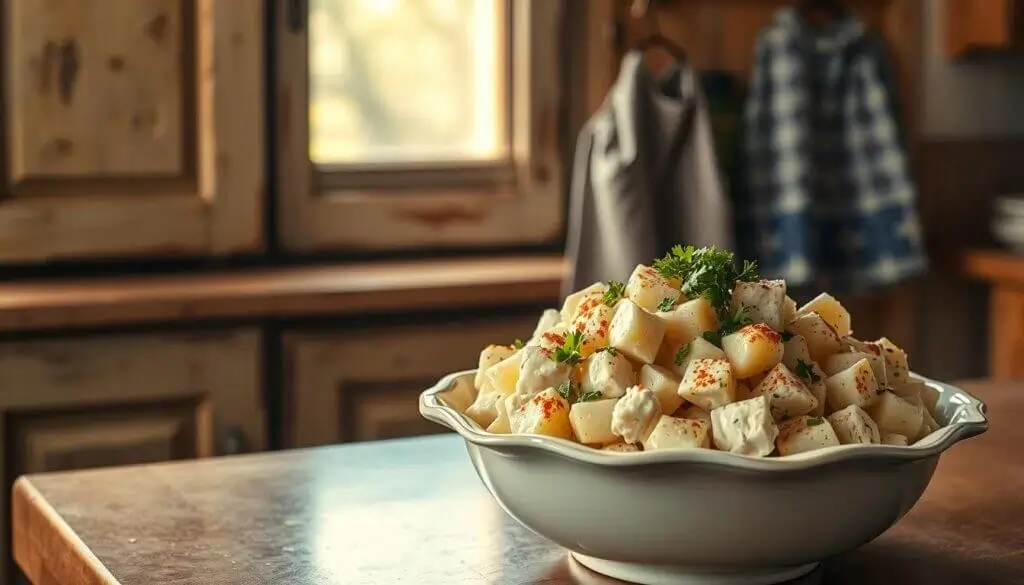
point(280, 292)
point(413, 511)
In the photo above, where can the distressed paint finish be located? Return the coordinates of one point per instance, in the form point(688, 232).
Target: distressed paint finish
point(132, 128)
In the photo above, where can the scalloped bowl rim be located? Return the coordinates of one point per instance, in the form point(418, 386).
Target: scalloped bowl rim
point(969, 420)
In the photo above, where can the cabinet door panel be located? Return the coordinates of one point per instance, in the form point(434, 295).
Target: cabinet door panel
point(132, 127)
point(364, 384)
point(91, 402)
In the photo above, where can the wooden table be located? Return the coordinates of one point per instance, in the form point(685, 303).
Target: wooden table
point(1005, 273)
point(413, 511)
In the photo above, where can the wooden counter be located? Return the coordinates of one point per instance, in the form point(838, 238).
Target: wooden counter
point(414, 511)
point(1005, 272)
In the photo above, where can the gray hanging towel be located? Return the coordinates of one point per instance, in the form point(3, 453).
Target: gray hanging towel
point(644, 177)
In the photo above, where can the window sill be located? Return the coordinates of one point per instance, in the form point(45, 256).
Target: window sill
point(285, 292)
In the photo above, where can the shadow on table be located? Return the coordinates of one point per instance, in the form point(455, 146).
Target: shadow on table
point(887, 563)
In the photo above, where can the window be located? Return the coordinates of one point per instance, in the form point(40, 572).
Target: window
point(419, 123)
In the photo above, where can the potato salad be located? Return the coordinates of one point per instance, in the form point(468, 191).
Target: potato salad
point(697, 352)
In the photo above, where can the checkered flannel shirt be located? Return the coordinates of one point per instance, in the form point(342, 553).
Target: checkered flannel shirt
point(825, 196)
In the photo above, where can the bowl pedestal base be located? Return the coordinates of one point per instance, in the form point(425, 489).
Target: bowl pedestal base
point(681, 575)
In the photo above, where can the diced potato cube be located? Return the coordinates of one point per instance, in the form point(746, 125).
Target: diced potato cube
point(592, 421)
point(635, 414)
point(753, 349)
point(635, 332)
point(688, 320)
point(762, 301)
point(894, 439)
point(484, 410)
point(854, 385)
point(910, 389)
point(490, 356)
point(745, 427)
point(664, 385)
point(607, 372)
point(819, 391)
point(840, 361)
point(594, 322)
point(504, 375)
point(708, 383)
point(648, 289)
point(794, 350)
point(745, 390)
point(788, 394)
point(548, 319)
point(547, 413)
point(698, 348)
point(539, 370)
point(896, 415)
point(621, 448)
point(831, 310)
point(822, 340)
point(928, 425)
point(501, 424)
point(895, 360)
point(694, 412)
point(551, 339)
point(853, 425)
point(788, 311)
point(805, 433)
point(573, 300)
point(677, 433)
point(929, 396)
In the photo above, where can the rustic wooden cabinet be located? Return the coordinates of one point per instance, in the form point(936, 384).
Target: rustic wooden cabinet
point(357, 386)
point(983, 25)
point(79, 403)
point(131, 127)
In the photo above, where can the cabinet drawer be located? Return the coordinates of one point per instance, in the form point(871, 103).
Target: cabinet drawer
point(363, 385)
point(130, 399)
point(119, 400)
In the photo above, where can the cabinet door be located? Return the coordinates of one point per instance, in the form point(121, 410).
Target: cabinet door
point(364, 385)
point(131, 127)
point(72, 404)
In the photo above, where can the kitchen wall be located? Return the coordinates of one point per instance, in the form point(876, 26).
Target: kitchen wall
point(972, 150)
point(974, 98)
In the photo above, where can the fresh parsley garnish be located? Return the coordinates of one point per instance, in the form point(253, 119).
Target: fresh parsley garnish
point(786, 335)
point(730, 323)
point(566, 390)
point(517, 344)
point(615, 291)
point(684, 350)
point(569, 352)
point(666, 304)
point(815, 421)
point(570, 391)
point(711, 273)
point(806, 371)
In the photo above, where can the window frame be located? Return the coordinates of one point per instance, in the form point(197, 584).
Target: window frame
point(519, 201)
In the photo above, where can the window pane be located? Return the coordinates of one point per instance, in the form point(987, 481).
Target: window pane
point(407, 80)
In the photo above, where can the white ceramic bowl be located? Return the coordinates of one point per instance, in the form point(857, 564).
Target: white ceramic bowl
point(702, 516)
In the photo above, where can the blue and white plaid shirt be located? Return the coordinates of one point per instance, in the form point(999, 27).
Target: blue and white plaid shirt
point(825, 197)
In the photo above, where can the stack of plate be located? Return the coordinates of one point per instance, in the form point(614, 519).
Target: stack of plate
point(1008, 221)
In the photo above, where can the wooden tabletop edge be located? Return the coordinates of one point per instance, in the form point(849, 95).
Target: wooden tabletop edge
point(993, 265)
point(45, 547)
